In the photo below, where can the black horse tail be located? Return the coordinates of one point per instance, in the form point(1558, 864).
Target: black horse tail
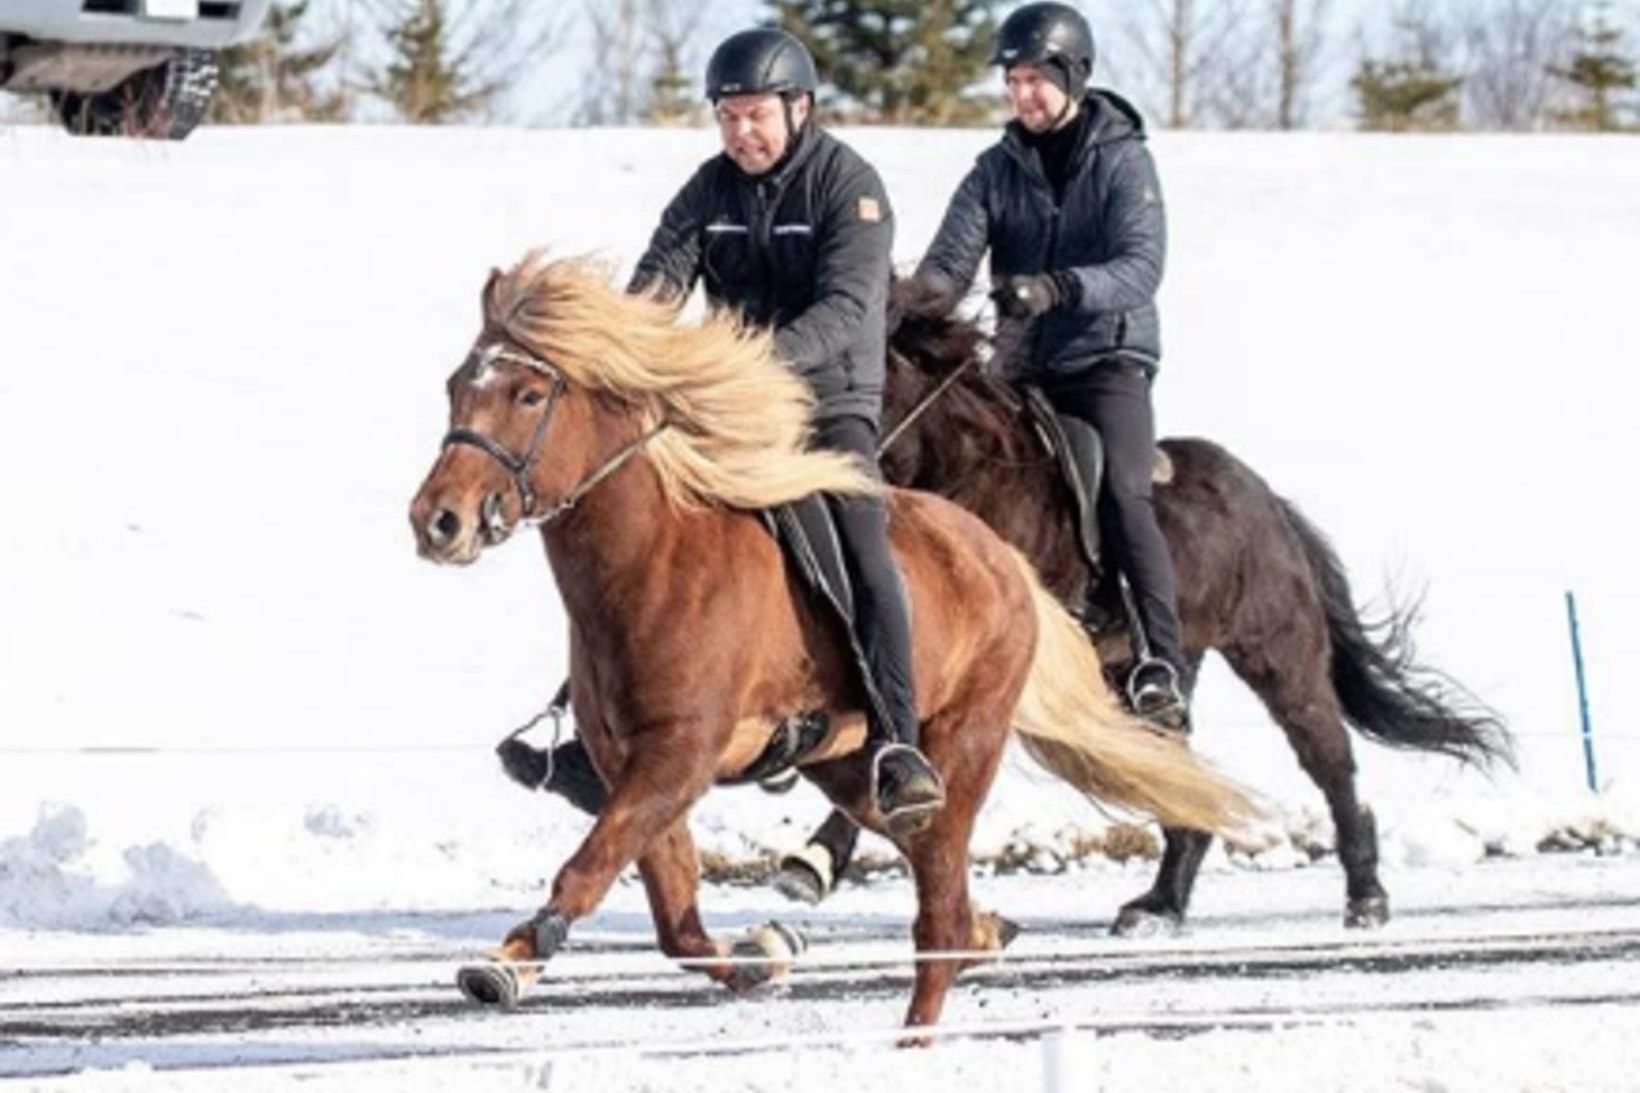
point(1386, 694)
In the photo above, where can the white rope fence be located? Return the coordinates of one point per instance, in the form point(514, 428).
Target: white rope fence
point(1569, 735)
point(571, 966)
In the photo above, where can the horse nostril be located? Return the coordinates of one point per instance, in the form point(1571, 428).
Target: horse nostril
point(443, 527)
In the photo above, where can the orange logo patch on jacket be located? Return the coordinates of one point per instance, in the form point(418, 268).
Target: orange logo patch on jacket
point(870, 209)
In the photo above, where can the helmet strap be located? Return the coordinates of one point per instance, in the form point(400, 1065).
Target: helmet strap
point(786, 106)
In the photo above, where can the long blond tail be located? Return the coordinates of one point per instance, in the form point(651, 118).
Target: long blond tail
point(1071, 723)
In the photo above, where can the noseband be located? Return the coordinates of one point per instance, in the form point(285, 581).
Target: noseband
point(520, 466)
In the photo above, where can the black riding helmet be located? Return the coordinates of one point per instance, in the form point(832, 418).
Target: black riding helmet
point(1048, 34)
point(760, 61)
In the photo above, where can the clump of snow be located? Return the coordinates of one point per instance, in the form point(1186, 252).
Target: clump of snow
point(47, 880)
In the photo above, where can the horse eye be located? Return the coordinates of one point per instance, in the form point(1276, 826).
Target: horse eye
point(530, 397)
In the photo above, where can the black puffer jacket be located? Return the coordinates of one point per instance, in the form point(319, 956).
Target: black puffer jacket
point(805, 249)
point(1110, 236)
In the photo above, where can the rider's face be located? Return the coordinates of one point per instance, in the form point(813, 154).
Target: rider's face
point(1036, 100)
point(753, 128)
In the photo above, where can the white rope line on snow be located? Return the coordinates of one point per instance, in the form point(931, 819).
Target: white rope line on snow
point(649, 965)
point(139, 751)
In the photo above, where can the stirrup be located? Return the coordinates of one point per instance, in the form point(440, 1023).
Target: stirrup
point(911, 817)
point(1173, 708)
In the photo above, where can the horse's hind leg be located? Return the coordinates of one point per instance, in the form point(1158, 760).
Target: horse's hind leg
point(1294, 679)
point(1162, 909)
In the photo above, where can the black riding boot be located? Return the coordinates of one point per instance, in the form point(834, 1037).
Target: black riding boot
point(905, 786)
point(1157, 694)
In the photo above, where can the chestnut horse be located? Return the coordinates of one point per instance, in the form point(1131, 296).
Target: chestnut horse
point(645, 448)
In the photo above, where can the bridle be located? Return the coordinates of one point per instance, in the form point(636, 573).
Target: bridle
point(519, 467)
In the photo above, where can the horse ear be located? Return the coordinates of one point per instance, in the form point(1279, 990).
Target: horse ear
point(487, 299)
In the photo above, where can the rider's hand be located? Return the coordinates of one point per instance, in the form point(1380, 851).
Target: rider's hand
point(1027, 296)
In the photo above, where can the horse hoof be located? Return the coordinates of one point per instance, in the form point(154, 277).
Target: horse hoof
point(769, 952)
point(1366, 913)
point(1136, 922)
point(491, 984)
point(999, 930)
point(805, 877)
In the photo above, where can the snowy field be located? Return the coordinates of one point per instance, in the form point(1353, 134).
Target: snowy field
point(245, 733)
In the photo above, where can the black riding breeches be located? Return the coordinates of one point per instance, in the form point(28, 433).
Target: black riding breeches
point(1114, 397)
point(882, 613)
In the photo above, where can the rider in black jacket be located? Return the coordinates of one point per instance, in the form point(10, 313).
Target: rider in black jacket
point(1069, 206)
point(790, 227)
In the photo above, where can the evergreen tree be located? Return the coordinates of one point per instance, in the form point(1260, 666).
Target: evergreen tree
point(425, 79)
point(1599, 71)
point(902, 62)
point(674, 93)
point(1415, 89)
point(272, 78)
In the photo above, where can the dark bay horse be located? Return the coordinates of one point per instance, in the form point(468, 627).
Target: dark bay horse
point(1257, 583)
point(644, 448)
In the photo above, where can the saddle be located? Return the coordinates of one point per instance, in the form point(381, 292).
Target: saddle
point(1079, 452)
point(807, 535)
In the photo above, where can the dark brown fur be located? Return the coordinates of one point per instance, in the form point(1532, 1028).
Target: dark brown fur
point(1257, 583)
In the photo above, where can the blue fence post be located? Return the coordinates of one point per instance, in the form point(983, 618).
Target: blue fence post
point(1582, 695)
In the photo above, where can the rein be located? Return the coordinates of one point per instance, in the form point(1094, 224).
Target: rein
point(924, 403)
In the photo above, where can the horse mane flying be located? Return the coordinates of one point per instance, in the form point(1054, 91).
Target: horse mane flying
point(738, 419)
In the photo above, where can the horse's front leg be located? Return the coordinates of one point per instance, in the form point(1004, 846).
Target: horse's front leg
point(667, 770)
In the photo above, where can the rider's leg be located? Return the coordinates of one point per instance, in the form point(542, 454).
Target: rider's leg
point(906, 786)
point(1114, 397)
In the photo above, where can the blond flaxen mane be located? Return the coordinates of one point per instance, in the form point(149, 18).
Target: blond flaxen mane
point(737, 418)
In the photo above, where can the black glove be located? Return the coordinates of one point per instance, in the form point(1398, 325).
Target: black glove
point(1027, 296)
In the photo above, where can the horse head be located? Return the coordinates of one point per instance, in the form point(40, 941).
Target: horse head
point(525, 443)
point(570, 378)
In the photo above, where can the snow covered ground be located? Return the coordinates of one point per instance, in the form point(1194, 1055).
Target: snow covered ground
point(1506, 976)
point(221, 370)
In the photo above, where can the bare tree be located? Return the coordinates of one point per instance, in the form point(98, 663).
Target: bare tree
point(614, 93)
point(674, 83)
point(1265, 66)
point(1511, 45)
point(1299, 35)
point(643, 52)
point(1188, 48)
